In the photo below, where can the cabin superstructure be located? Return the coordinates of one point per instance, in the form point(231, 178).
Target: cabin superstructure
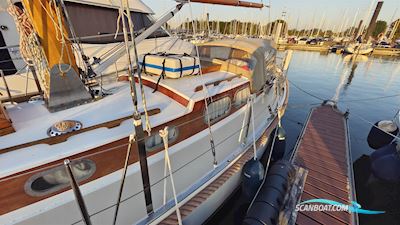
point(206, 114)
point(256, 52)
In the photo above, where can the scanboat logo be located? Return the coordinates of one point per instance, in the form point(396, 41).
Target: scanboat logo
point(319, 204)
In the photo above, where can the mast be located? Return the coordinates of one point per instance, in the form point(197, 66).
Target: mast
point(394, 29)
point(372, 23)
point(350, 33)
point(208, 25)
point(342, 24)
point(63, 88)
point(390, 22)
point(322, 23)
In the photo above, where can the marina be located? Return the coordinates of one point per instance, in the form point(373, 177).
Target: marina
point(190, 112)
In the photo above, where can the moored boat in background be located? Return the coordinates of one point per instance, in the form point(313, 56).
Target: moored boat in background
point(360, 49)
point(101, 110)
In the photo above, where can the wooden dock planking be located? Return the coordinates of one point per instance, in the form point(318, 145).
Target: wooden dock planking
point(323, 150)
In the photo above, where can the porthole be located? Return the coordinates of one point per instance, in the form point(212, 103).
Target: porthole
point(241, 97)
point(55, 179)
point(217, 109)
point(155, 141)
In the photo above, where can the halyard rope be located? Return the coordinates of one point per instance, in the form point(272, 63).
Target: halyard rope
point(131, 30)
point(167, 165)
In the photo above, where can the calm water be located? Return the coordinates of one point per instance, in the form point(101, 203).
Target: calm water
point(350, 83)
point(331, 76)
point(335, 77)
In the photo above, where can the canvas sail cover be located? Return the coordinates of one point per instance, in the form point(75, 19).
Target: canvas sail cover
point(262, 51)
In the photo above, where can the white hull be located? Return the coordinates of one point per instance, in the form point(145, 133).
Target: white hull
point(101, 193)
point(360, 50)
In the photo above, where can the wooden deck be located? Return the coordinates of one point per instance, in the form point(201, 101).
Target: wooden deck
point(5, 122)
point(323, 150)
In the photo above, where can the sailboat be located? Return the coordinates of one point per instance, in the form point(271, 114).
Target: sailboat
point(141, 129)
point(358, 48)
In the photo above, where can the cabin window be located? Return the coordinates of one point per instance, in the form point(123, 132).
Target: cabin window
point(90, 20)
point(55, 179)
point(233, 56)
point(155, 141)
point(241, 97)
point(218, 109)
point(214, 52)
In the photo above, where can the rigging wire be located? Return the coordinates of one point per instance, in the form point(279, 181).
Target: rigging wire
point(349, 100)
point(266, 169)
point(205, 91)
point(177, 170)
point(369, 122)
point(356, 100)
point(371, 99)
point(124, 145)
point(306, 92)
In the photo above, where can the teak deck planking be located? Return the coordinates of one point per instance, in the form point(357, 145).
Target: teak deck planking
point(323, 150)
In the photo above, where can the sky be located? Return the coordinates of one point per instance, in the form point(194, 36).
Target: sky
point(330, 14)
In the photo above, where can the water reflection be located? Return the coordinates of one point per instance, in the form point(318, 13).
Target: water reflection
point(351, 76)
point(347, 79)
point(350, 79)
point(349, 63)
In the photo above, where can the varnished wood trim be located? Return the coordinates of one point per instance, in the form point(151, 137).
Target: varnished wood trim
point(108, 158)
point(64, 137)
point(210, 69)
point(5, 122)
point(210, 189)
point(7, 130)
point(176, 97)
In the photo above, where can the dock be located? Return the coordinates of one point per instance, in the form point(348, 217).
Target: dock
point(325, 48)
point(386, 51)
point(323, 150)
point(300, 47)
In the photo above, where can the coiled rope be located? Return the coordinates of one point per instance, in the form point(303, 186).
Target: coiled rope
point(25, 30)
point(31, 52)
